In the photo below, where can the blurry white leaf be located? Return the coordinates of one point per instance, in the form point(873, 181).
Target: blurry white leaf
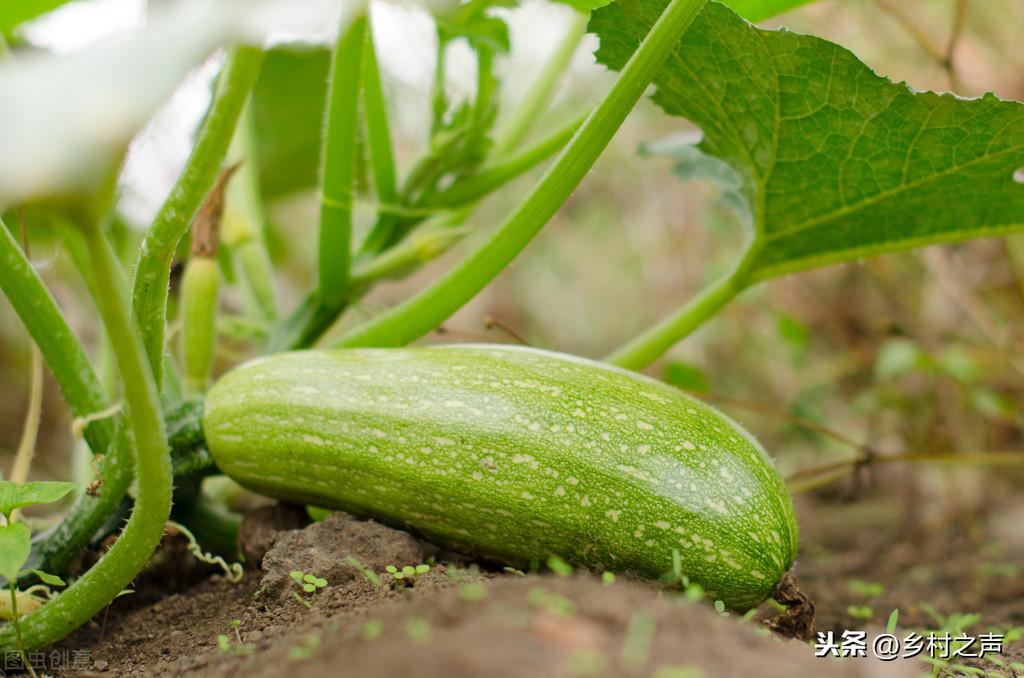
point(63, 119)
point(75, 25)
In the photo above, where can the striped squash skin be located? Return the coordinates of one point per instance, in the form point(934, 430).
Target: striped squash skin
point(514, 454)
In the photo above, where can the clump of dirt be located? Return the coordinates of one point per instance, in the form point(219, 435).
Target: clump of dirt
point(261, 527)
point(338, 549)
point(546, 626)
point(450, 618)
point(170, 631)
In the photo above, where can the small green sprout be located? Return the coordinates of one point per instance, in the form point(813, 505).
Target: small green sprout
point(370, 575)
point(418, 629)
point(309, 583)
point(996, 569)
point(679, 672)
point(472, 592)
point(587, 662)
point(559, 566)
point(890, 624)
point(16, 542)
point(372, 629)
point(955, 623)
point(552, 602)
point(864, 612)
point(307, 647)
point(409, 572)
point(865, 589)
point(636, 648)
point(607, 578)
point(238, 648)
point(1013, 634)
point(691, 591)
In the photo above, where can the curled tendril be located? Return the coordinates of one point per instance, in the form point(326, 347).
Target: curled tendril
point(233, 571)
point(79, 424)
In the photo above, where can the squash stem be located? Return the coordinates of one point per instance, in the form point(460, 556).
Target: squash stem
point(103, 582)
point(652, 344)
point(338, 167)
point(378, 131)
point(85, 395)
point(152, 273)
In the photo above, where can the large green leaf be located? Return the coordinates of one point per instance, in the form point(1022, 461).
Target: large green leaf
point(835, 163)
point(759, 10)
point(15, 546)
point(288, 109)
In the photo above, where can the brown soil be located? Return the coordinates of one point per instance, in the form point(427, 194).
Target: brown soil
point(458, 620)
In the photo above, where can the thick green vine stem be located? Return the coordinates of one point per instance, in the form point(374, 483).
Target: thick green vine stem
point(652, 344)
point(337, 171)
point(60, 347)
point(100, 585)
point(84, 393)
point(337, 175)
point(425, 311)
point(152, 273)
point(378, 131)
